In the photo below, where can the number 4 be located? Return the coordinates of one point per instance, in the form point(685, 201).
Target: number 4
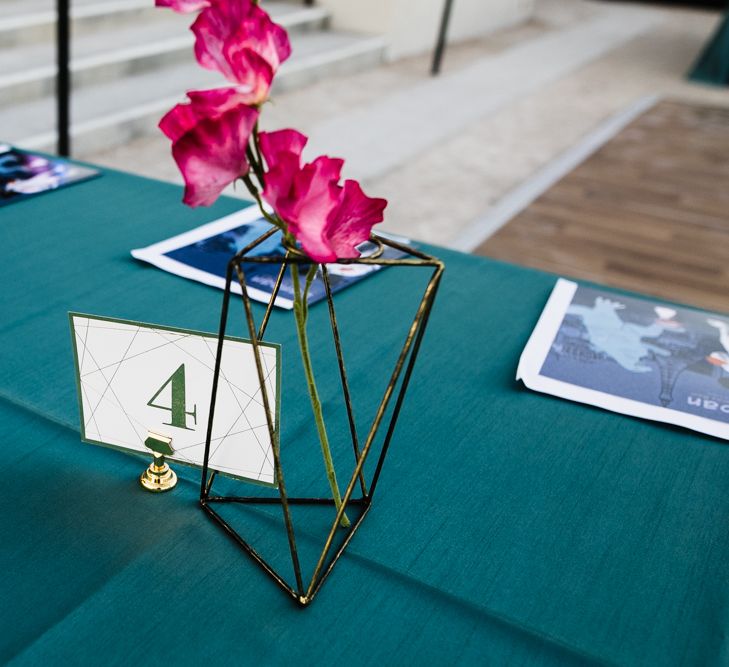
point(177, 408)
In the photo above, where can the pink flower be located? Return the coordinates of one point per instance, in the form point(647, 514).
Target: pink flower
point(329, 220)
point(183, 6)
point(238, 39)
point(209, 139)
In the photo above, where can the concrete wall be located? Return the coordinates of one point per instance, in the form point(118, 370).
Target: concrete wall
point(411, 26)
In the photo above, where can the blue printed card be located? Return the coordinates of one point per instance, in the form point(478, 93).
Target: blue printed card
point(203, 254)
point(635, 356)
point(25, 174)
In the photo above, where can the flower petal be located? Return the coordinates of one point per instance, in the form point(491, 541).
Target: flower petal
point(183, 6)
point(280, 41)
point(315, 193)
point(328, 220)
point(274, 144)
point(203, 104)
point(218, 100)
point(314, 198)
point(351, 223)
point(240, 40)
point(250, 70)
point(213, 154)
point(178, 121)
point(212, 28)
point(282, 153)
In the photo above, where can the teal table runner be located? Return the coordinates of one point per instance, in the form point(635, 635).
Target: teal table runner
point(510, 528)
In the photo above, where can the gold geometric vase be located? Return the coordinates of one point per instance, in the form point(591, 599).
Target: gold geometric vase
point(359, 491)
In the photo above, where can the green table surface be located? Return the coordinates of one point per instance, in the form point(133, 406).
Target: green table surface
point(712, 65)
point(509, 528)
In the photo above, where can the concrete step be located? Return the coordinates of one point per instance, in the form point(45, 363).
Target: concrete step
point(16, 7)
point(28, 73)
point(115, 111)
point(26, 22)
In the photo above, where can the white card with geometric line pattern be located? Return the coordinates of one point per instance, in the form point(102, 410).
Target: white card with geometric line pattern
point(135, 378)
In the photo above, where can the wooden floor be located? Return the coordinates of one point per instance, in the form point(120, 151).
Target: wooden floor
point(649, 212)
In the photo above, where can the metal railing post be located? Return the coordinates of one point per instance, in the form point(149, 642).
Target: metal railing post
point(442, 38)
point(63, 77)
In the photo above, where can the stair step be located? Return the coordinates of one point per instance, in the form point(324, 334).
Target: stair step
point(28, 72)
point(117, 110)
point(25, 22)
point(13, 8)
point(31, 21)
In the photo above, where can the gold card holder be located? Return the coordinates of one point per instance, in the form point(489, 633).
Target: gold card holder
point(159, 476)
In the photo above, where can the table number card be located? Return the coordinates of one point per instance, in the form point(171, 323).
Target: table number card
point(135, 378)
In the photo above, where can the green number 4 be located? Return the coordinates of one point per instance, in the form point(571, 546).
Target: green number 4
point(177, 404)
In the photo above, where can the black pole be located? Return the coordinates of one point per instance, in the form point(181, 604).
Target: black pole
point(63, 78)
point(442, 38)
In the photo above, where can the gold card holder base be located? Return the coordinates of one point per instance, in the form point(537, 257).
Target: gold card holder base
point(159, 476)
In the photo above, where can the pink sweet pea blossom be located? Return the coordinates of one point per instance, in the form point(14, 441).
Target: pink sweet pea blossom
point(209, 139)
point(239, 40)
point(328, 220)
point(183, 6)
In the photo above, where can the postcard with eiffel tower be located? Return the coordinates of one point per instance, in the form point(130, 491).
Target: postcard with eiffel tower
point(633, 355)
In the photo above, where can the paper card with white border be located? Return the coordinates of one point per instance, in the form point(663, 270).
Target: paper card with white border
point(633, 355)
point(134, 378)
point(203, 254)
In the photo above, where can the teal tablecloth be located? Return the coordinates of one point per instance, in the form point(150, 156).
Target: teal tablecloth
point(510, 528)
point(713, 63)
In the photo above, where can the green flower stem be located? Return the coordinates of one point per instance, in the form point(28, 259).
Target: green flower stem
point(255, 165)
point(257, 146)
point(301, 313)
point(257, 196)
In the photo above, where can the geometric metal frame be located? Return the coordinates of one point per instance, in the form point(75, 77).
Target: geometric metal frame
point(300, 591)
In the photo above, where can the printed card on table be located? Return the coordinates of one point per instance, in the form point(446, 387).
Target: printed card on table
point(25, 174)
point(136, 378)
point(202, 254)
point(635, 356)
